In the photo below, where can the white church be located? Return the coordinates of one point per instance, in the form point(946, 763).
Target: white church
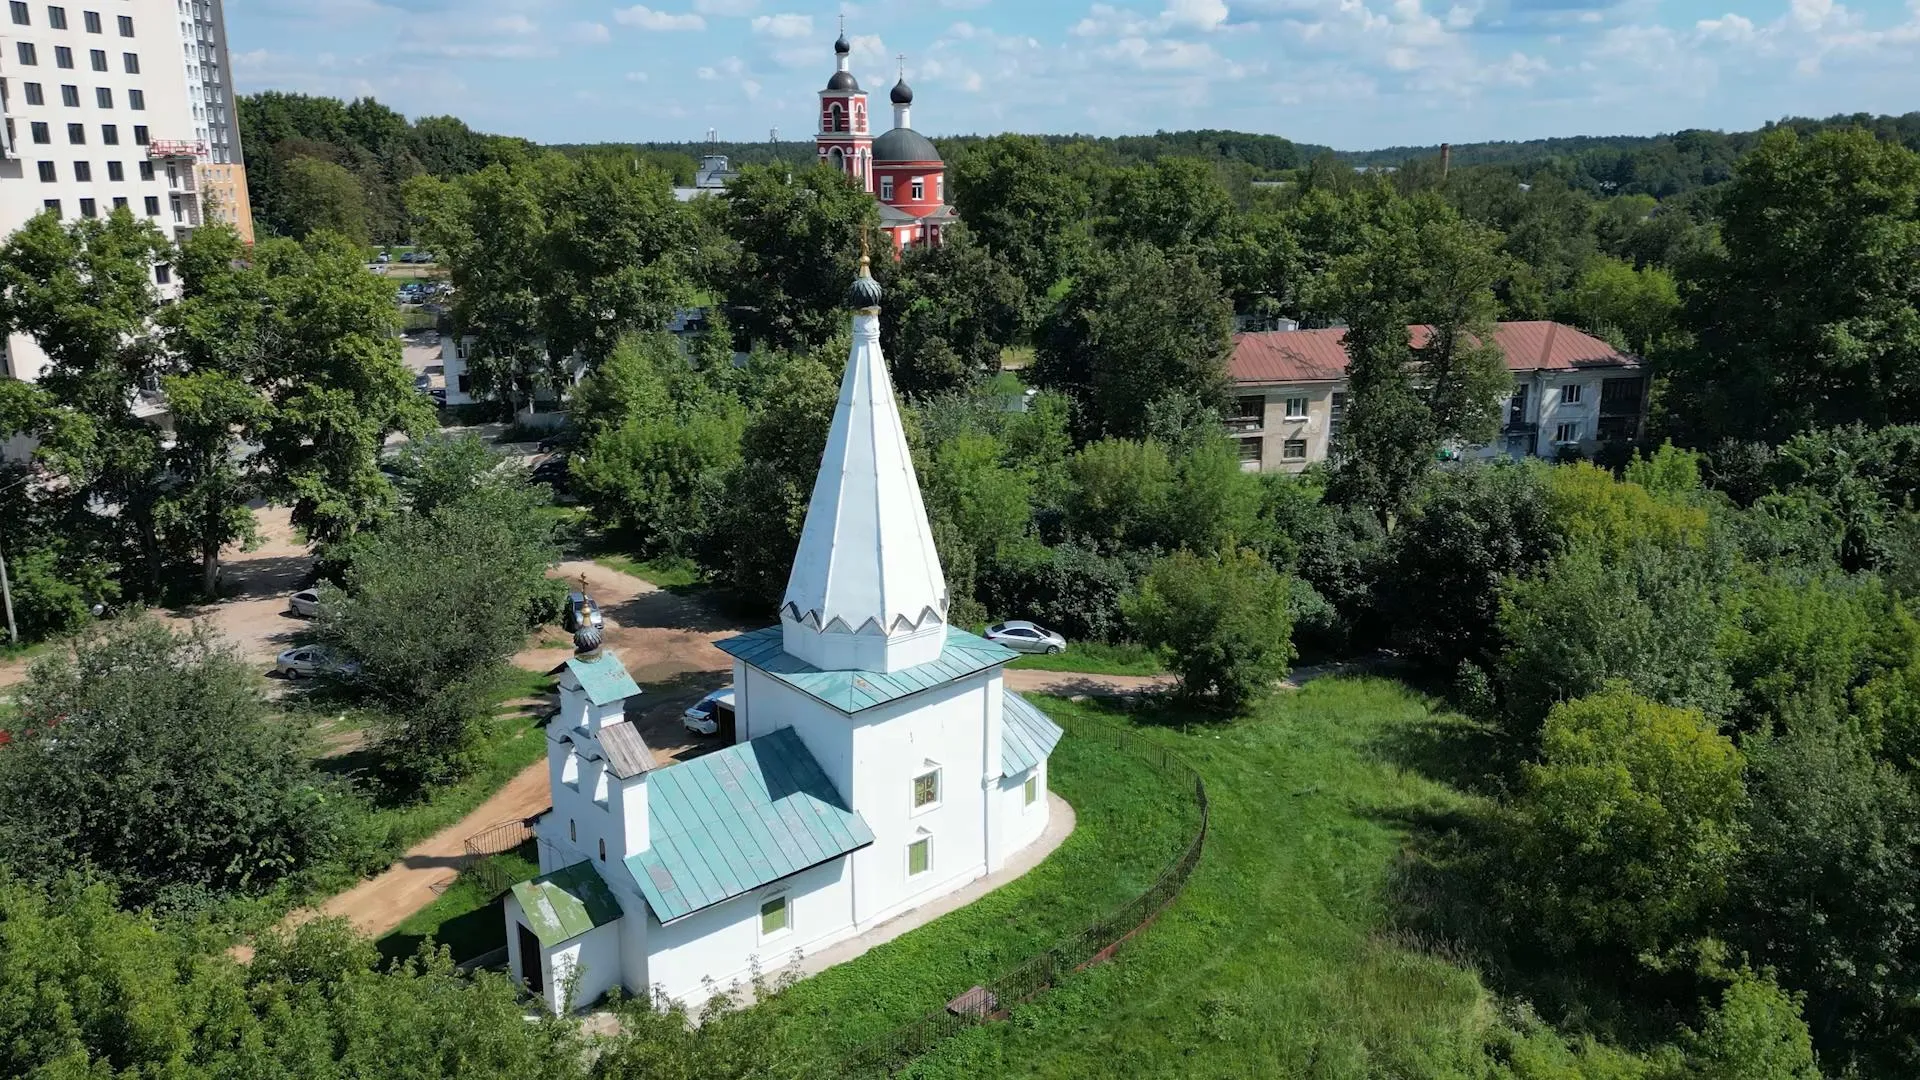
point(876, 761)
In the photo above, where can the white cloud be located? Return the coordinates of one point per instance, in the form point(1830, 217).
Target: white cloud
point(1167, 55)
point(785, 27)
point(636, 76)
point(731, 67)
point(1810, 31)
point(645, 18)
point(589, 33)
point(1195, 14)
point(725, 7)
point(963, 5)
point(752, 89)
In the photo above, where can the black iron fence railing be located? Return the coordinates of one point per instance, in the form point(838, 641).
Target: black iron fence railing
point(1095, 944)
point(493, 840)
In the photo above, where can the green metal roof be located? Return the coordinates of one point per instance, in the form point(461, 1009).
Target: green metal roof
point(853, 691)
point(1027, 735)
point(566, 903)
point(731, 821)
point(604, 678)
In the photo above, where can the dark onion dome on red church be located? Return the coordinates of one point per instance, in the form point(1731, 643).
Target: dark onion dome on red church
point(904, 144)
point(841, 46)
point(843, 80)
point(902, 93)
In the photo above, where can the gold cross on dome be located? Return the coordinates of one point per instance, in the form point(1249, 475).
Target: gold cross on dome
point(902, 57)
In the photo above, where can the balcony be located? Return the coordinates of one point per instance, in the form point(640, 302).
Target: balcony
point(174, 148)
point(1243, 425)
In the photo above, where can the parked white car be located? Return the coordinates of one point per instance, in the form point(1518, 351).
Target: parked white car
point(305, 603)
point(700, 717)
point(309, 660)
point(1023, 636)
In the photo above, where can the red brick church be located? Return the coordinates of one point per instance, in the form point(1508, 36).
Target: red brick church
point(901, 167)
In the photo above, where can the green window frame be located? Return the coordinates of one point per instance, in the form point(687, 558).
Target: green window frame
point(920, 856)
point(1032, 789)
point(774, 915)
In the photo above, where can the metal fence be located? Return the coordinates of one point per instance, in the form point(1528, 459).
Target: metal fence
point(482, 846)
point(1093, 945)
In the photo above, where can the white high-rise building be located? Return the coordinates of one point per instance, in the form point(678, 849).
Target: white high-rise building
point(114, 103)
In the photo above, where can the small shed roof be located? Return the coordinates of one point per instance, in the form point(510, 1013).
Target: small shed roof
point(731, 821)
point(1027, 735)
point(561, 905)
point(854, 691)
point(604, 678)
point(627, 753)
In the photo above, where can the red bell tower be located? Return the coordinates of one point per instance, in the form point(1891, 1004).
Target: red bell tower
point(844, 139)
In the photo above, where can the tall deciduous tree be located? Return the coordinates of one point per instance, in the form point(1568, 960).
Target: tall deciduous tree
point(1222, 622)
point(1024, 205)
point(951, 310)
point(1810, 314)
point(1138, 330)
point(338, 387)
point(320, 196)
point(797, 241)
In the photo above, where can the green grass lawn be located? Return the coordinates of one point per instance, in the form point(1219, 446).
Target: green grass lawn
point(466, 918)
point(1097, 658)
point(666, 573)
point(1279, 960)
point(1132, 820)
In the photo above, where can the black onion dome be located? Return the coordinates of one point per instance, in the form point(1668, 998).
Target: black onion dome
point(840, 45)
point(904, 144)
point(843, 80)
point(864, 292)
point(586, 639)
point(902, 93)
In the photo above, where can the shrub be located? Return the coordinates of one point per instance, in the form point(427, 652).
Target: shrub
point(1222, 622)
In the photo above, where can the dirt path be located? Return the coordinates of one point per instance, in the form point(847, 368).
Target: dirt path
point(1069, 683)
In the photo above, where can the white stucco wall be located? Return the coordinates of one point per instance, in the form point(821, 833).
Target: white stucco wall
point(594, 954)
point(1020, 824)
point(724, 941)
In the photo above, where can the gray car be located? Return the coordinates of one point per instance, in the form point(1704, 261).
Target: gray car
point(1023, 636)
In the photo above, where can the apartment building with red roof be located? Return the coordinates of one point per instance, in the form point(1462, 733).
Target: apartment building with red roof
point(1572, 392)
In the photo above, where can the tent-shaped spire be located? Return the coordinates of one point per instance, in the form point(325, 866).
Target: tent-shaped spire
point(866, 592)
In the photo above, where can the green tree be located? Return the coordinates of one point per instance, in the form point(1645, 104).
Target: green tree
point(1630, 823)
point(952, 309)
point(1023, 205)
point(321, 196)
point(1214, 503)
point(616, 257)
point(1137, 328)
point(630, 384)
point(1172, 203)
point(1222, 622)
point(1809, 313)
point(434, 604)
point(1639, 309)
point(797, 241)
point(150, 757)
point(1754, 1033)
point(338, 388)
point(1118, 492)
point(661, 478)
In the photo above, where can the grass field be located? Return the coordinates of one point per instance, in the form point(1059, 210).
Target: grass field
point(666, 573)
point(1132, 820)
point(1096, 658)
point(1278, 960)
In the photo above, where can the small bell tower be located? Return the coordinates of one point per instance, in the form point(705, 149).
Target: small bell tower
point(845, 139)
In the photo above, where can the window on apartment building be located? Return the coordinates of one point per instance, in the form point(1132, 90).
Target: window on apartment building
point(1296, 408)
point(136, 99)
point(82, 172)
point(1615, 429)
point(920, 856)
point(126, 26)
point(140, 135)
point(49, 173)
point(52, 204)
point(20, 17)
point(92, 21)
point(70, 96)
point(1621, 395)
point(162, 274)
point(116, 172)
point(97, 57)
point(57, 18)
point(1570, 394)
point(110, 134)
point(119, 202)
point(130, 61)
point(40, 132)
point(103, 96)
point(919, 189)
point(62, 57)
point(1250, 451)
point(28, 57)
point(146, 170)
point(1566, 433)
point(1293, 450)
point(1517, 406)
point(1336, 412)
point(152, 205)
point(773, 915)
point(88, 208)
point(886, 189)
point(34, 96)
point(77, 134)
point(1249, 412)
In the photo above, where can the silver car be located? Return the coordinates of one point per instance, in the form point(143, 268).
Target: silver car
point(305, 603)
point(309, 660)
point(1023, 636)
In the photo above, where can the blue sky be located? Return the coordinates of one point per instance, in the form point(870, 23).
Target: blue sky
point(1355, 74)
